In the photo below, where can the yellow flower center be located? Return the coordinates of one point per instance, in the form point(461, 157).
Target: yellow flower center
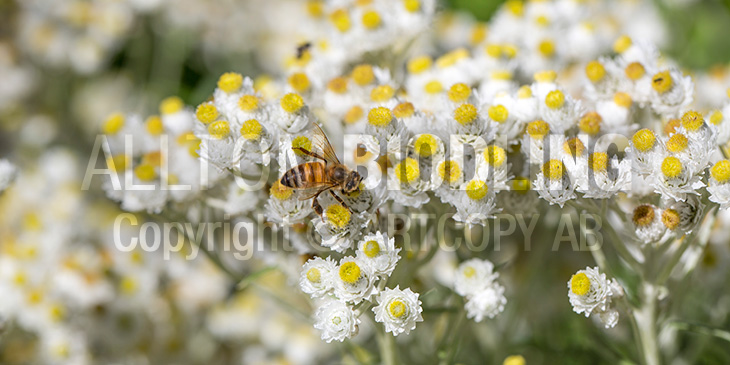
point(371, 249)
point(498, 113)
point(315, 8)
point(590, 123)
point(692, 120)
point(716, 117)
point(595, 71)
point(553, 169)
point(404, 110)
point(433, 87)
point(476, 190)
point(350, 272)
point(546, 48)
point(230, 82)
point(412, 6)
point(419, 64)
point(721, 171)
point(671, 219)
point(516, 7)
point(426, 145)
point(524, 92)
point(521, 184)
point(478, 34)
point(145, 172)
point(459, 92)
point(301, 142)
point(495, 155)
point(538, 129)
point(354, 114)
point(371, 19)
point(622, 44)
point(677, 143)
point(407, 171)
point(338, 85)
point(337, 215)
point(451, 58)
point(449, 170)
point(153, 158)
point(580, 284)
point(280, 192)
point(380, 116)
point(643, 140)
point(382, 93)
point(397, 308)
point(341, 20)
point(643, 215)
point(598, 161)
point(154, 125)
point(555, 99)
point(249, 103)
point(622, 99)
point(465, 114)
point(299, 82)
point(117, 163)
point(171, 105)
point(292, 103)
point(113, 124)
point(251, 129)
point(469, 272)
point(574, 147)
point(671, 167)
point(363, 75)
point(634, 71)
point(220, 129)
point(662, 82)
point(206, 113)
point(545, 76)
point(314, 275)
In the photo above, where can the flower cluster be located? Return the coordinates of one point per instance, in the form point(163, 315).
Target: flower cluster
point(477, 282)
point(591, 293)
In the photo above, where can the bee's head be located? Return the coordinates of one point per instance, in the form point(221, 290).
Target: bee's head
point(353, 182)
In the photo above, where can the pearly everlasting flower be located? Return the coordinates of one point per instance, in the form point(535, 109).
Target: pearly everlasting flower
point(473, 276)
point(398, 310)
point(719, 184)
point(648, 225)
point(379, 252)
point(590, 292)
point(284, 206)
point(560, 110)
point(671, 92)
point(316, 277)
point(486, 303)
point(554, 184)
point(353, 280)
point(336, 320)
point(340, 227)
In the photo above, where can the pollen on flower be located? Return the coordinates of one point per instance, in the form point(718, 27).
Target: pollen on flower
point(459, 92)
point(383, 93)
point(590, 123)
point(555, 99)
point(292, 103)
point(251, 129)
point(580, 284)
point(545, 76)
point(634, 71)
point(516, 7)
point(337, 215)
point(280, 192)
point(521, 184)
point(542, 20)
point(315, 8)
point(553, 169)
point(643, 140)
point(419, 64)
point(171, 105)
point(113, 124)
point(721, 171)
point(662, 82)
point(692, 120)
point(574, 147)
point(622, 44)
point(230, 82)
point(671, 126)
point(478, 34)
point(299, 82)
point(118, 163)
point(643, 215)
point(412, 6)
point(465, 114)
point(495, 155)
point(451, 58)
point(219, 130)
point(154, 125)
point(598, 161)
point(301, 142)
point(677, 143)
point(622, 99)
point(350, 272)
point(509, 50)
point(716, 117)
point(397, 308)
point(547, 48)
point(337, 85)
point(145, 172)
point(449, 171)
point(314, 275)
point(248, 103)
point(595, 71)
point(538, 129)
point(425, 145)
point(371, 249)
point(433, 87)
point(380, 116)
point(371, 19)
point(670, 219)
point(341, 20)
point(363, 74)
point(407, 171)
point(493, 50)
point(476, 190)
point(404, 110)
point(671, 167)
point(206, 113)
point(354, 114)
point(498, 113)
point(524, 92)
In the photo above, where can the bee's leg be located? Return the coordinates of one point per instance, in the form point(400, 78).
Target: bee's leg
point(316, 206)
point(342, 202)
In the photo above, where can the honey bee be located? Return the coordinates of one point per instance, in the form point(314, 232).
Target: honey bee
point(327, 174)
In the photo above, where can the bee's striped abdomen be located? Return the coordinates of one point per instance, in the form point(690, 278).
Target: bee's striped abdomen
point(304, 175)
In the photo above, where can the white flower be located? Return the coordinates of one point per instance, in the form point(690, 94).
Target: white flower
point(340, 227)
point(591, 293)
point(353, 280)
point(648, 223)
point(336, 320)
point(398, 310)
point(474, 276)
point(488, 302)
point(378, 251)
point(8, 172)
point(315, 278)
point(672, 92)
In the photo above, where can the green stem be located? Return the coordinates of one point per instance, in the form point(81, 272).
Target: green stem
point(387, 348)
point(646, 318)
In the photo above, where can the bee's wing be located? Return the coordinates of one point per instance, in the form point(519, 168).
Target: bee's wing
point(319, 139)
point(317, 188)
